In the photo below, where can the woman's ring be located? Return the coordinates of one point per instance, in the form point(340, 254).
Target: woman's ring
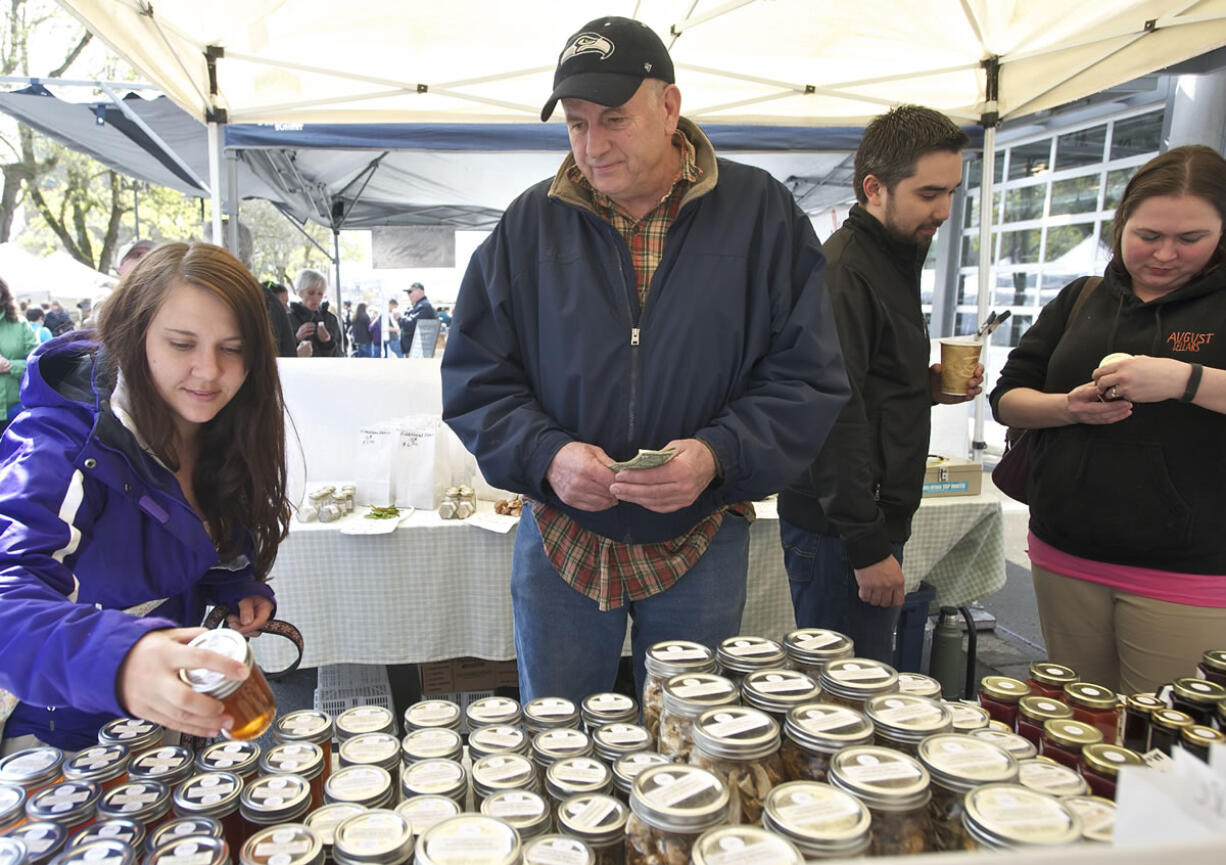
point(1114, 392)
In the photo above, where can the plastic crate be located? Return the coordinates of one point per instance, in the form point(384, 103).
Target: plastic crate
point(336, 677)
point(346, 686)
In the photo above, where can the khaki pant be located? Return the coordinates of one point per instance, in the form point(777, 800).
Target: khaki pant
point(1122, 641)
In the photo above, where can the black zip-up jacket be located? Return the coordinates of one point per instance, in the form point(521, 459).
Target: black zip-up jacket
point(866, 483)
point(1148, 490)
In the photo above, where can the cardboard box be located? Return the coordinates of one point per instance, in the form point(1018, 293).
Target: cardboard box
point(950, 476)
point(466, 674)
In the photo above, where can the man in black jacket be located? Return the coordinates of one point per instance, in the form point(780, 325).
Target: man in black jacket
point(419, 308)
point(843, 524)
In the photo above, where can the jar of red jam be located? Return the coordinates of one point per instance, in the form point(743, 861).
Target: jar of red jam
point(114, 828)
point(170, 764)
point(215, 795)
point(12, 806)
point(240, 758)
point(73, 804)
point(1063, 740)
point(1101, 763)
point(1095, 705)
point(180, 829)
point(146, 802)
point(1138, 710)
point(364, 719)
point(1165, 727)
point(32, 768)
point(1197, 739)
point(1034, 711)
point(200, 850)
point(1048, 679)
point(104, 765)
point(1212, 666)
point(999, 695)
point(137, 734)
point(249, 703)
point(304, 759)
point(1197, 698)
point(43, 840)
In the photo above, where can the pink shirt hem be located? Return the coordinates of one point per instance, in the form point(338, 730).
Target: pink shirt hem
point(1197, 590)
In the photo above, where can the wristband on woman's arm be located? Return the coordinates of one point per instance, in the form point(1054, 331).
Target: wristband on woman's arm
point(1189, 392)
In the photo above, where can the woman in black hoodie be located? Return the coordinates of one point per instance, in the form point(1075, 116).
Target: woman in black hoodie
point(1127, 473)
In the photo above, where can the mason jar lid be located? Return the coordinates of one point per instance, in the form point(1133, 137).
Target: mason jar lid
point(1003, 689)
point(364, 719)
point(777, 690)
point(287, 844)
point(99, 851)
point(959, 763)
point(201, 850)
point(118, 828)
point(673, 657)
point(1039, 709)
point(548, 713)
point(223, 641)
point(13, 852)
point(240, 757)
point(816, 646)
point(12, 805)
point(1010, 816)
point(142, 801)
point(625, 737)
point(628, 767)
point(1170, 719)
point(1214, 659)
point(214, 794)
point(1106, 759)
point(1090, 696)
point(608, 707)
point(557, 850)
point(549, 746)
point(1018, 747)
point(822, 821)
point(679, 798)
point(743, 845)
point(378, 837)
point(858, 678)
point(431, 743)
point(424, 811)
point(169, 764)
point(688, 694)
point(1072, 734)
point(1050, 777)
point(137, 733)
point(366, 785)
point(906, 718)
point(180, 829)
point(43, 840)
point(374, 749)
point(432, 713)
point(98, 763)
point(468, 839)
point(883, 779)
point(827, 727)
point(324, 820)
point(493, 711)
point(1202, 736)
point(597, 818)
point(1143, 704)
point(525, 811)
point(1200, 692)
point(1097, 817)
point(68, 802)
point(1047, 673)
point(968, 717)
point(32, 767)
point(745, 653)
point(272, 799)
point(294, 758)
point(441, 776)
point(919, 685)
point(736, 732)
point(571, 776)
point(503, 772)
point(503, 739)
point(304, 725)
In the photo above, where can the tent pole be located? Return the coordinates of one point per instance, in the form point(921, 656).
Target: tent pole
point(232, 234)
point(336, 277)
point(214, 130)
point(987, 178)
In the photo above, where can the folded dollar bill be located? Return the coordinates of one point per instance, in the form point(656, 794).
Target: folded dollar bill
point(645, 459)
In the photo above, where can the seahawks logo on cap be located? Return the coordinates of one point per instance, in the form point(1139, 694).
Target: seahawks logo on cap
point(587, 43)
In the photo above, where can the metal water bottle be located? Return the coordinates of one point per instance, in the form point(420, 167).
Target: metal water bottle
point(946, 663)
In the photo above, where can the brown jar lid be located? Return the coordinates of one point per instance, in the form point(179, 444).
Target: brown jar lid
point(1047, 673)
point(1071, 734)
point(1106, 759)
point(1090, 696)
point(1039, 708)
point(1198, 691)
point(1003, 689)
point(1171, 719)
point(1199, 734)
point(1143, 704)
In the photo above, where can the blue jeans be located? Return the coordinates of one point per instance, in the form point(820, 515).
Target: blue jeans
point(567, 647)
point(825, 593)
point(363, 349)
point(393, 348)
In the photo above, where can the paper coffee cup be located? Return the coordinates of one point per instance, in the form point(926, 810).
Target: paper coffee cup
point(959, 358)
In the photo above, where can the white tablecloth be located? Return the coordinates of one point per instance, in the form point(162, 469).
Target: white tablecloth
point(437, 589)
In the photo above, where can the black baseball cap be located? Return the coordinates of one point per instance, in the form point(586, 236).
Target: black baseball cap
point(606, 61)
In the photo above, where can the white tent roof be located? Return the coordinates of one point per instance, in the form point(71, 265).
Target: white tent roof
point(804, 62)
point(59, 276)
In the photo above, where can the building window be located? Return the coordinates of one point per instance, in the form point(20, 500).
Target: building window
point(1083, 147)
point(1137, 136)
point(1030, 160)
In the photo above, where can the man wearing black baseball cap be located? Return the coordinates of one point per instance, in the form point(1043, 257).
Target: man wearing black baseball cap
point(649, 297)
point(419, 307)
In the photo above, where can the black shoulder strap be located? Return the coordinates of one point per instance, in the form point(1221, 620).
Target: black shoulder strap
point(1087, 287)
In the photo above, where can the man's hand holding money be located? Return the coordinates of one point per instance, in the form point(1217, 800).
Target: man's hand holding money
point(672, 486)
point(580, 476)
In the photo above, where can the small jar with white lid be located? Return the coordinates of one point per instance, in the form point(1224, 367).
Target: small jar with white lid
point(180, 829)
point(375, 837)
point(628, 767)
point(599, 821)
point(104, 765)
point(201, 850)
point(1054, 779)
point(813, 734)
point(895, 787)
point(103, 851)
point(304, 759)
point(431, 743)
point(576, 776)
point(285, 844)
point(736, 657)
point(525, 811)
point(670, 807)
point(373, 749)
point(1097, 816)
point(215, 795)
point(307, 725)
point(503, 772)
point(1018, 747)
point(740, 744)
point(136, 734)
point(823, 822)
point(422, 812)
point(273, 799)
point(32, 769)
point(607, 707)
point(900, 721)
point(241, 758)
point(72, 804)
point(436, 777)
point(323, 822)
point(493, 712)
point(369, 786)
point(811, 649)
point(364, 719)
point(851, 681)
point(662, 661)
point(170, 764)
point(619, 738)
point(550, 746)
point(744, 845)
point(473, 839)
point(43, 840)
point(550, 713)
point(146, 802)
point(503, 739)
point(778, 691)
point(119, 828)
point(433, 713)
point(1013, 817)
point(557, 850)
point(685, 698)
point(958, 764)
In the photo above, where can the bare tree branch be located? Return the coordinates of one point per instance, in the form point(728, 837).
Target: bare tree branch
point(72, 56)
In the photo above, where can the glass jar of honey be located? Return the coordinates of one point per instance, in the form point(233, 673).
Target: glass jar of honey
point(241, 758)
point(1212, 666)
point(968, 717)
point(433, 743)
point(823, 823)
point(249, 703)
point(1044, 775)
point(43, 840)
point(810, 649)
point(364, 719)
point(663, 661)
point(1095, 705)
point(1165, 727)
point(622, 737)
point(503, 739)
point(550, 713)
point(323, 822)
point(290, 844)
point(777, 691)
point(525, 811)
point(1048, 680)
point(180, 829)
point(607, 707)
point(73, 804)
point(1063, 740)
point(374, 749)
point(32, 768)
point(137, 734)
point(494, 712)
point(378, 837)
point(170, 764)
point(304, 759)
point(1138, 710)
point(116, 828)
point(1100, 766)
point(104, 765)
point(146, 802)
point(433, 713)
point(1197, 698)
point(192, 851)
point(422, 812)
point(214, 795)
point(1000, 695)
point(307, 725)
point(273, 799)
point(1197, 739)
point(436, 778)
point(1034, 711)
point(813, 734)
point(365, 785)
point(735, 657)
point(12, 806)
point(851, 681)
